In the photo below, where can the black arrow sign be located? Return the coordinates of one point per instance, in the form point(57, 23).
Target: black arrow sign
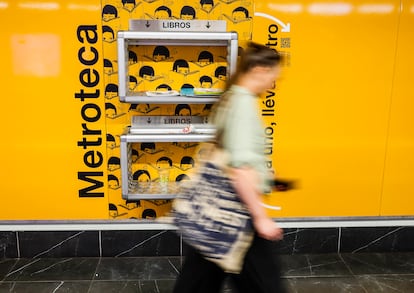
point(208, 25)
point(147, 24)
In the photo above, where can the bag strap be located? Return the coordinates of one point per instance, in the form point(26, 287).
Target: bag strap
point(222, 105)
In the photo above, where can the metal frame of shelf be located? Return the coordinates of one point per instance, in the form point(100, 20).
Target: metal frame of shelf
point(130, 189)
point(126, 38)
point(133, 190)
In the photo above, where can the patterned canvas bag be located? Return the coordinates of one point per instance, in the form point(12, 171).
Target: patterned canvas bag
point(210, 216)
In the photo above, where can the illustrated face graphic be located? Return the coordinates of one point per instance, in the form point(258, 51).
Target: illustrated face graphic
point(144, 178)
point(113, 167)
point(132, 85)
point(108, 70)
point(110, 94)
point(132, 57)
point(113, 213)
point(147, 76)
point(238, 15)
point(110, 112)
point(204, 62)
point(108, 37)
point(206, 84)
point(184, 112)
point(113, 184)
point(187, 17)
point(159, 57)
point(163, 164)
point(207, 7)
point(183, 70)
point(110, 144)
point(108, 16)
point(129, 6)
point(221, 77)
point(131, 205)
point(161, 14)
point(186, 166)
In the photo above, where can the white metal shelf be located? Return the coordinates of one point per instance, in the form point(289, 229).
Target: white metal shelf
point(195, 39)
point(141, 99)
point(133, 190)
point(128, 138)
point(156, 37)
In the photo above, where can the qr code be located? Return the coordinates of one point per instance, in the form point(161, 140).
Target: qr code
point(285, 43)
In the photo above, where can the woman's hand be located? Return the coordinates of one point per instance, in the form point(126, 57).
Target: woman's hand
point(267, 229)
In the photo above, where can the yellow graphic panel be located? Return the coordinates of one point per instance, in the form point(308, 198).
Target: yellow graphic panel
point(53, 151)
point(331, 105)
point(397, 196)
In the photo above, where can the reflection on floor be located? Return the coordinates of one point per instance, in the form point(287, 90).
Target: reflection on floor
point(347, 273)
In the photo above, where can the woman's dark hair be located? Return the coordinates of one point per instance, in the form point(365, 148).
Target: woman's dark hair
point(257, 55)
point(253, 56)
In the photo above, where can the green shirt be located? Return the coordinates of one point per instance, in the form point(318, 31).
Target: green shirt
point(243, 135)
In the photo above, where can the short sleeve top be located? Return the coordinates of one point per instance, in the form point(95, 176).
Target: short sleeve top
point(243, 135)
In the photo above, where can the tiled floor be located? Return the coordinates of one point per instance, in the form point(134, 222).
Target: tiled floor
point(347, 273)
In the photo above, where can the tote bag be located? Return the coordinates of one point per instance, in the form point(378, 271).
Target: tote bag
point(210, 216)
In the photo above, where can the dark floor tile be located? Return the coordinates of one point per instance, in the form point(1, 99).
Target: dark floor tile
point(5, 266)
point(164, 286)
point(389, 284)
point(176, 263)
point(140, 243)
point(45, 287)
point(59, 244)
point(115, 287)
point(157, 286)
point(376, 263)
point(325, 285)
point(313, 265)
point(377, 239)
point(295, 265)
point(286, 245)
point(320, 240)
point(139, 268)
point(8, 245)
point(50, 269)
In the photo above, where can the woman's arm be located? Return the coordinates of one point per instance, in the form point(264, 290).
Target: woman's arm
point(245, 182)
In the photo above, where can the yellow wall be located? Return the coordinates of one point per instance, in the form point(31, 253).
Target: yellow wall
point(342, 112)
point(397, 194)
